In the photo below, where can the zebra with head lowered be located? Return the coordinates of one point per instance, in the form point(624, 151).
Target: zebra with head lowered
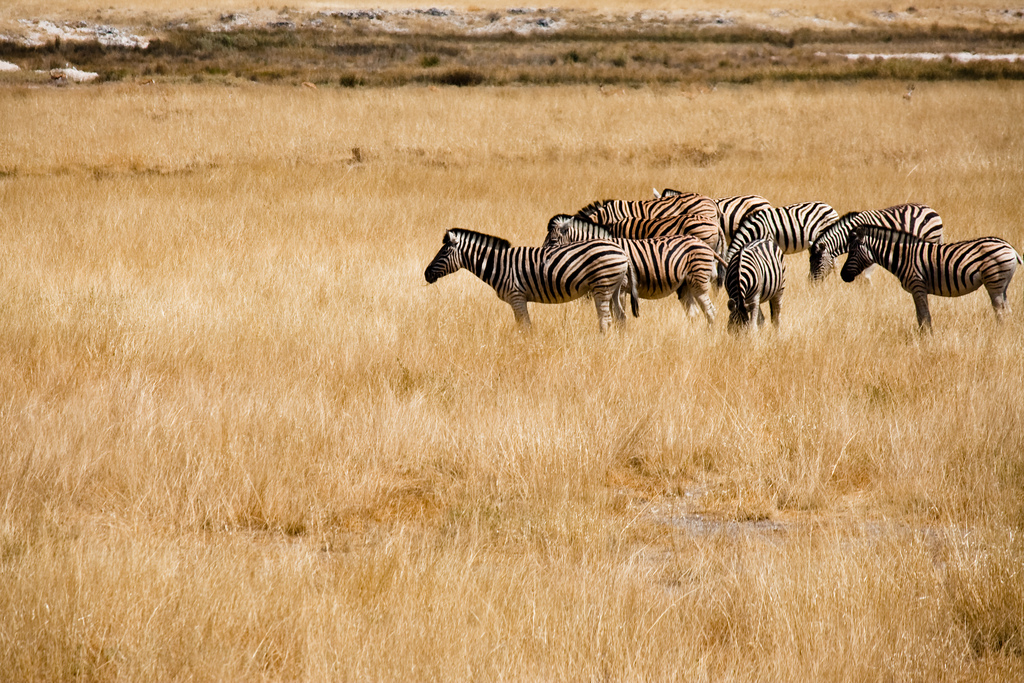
point(523, 274)
point(755, 274)
point(662, 265)
point(793, 227)
point(916, 219)
point(927, 268)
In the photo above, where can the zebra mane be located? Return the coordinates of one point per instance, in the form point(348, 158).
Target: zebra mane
point(592, 207)
point(896, 236)
point(489, 241)
point(572, 221)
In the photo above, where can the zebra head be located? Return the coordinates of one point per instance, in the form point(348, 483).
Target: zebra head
point(448, 259)
point(859, 258)
point(558, 231)
point(822, 262)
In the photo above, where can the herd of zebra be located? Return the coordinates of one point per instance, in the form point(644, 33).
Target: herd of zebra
point(682, 242)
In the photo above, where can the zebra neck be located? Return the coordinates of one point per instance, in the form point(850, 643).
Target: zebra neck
point(895, 257)
point(488, 264)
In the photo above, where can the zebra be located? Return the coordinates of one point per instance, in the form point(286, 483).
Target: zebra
point(732, 210)
point(522, 274)
point(793, 227)
point(927, 268)
point(700, 226)
point(917, 219)
point(677, 263)
point(755, 274)
point(612, 210)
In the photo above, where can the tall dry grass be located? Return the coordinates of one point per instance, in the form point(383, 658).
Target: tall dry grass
point(242, 439)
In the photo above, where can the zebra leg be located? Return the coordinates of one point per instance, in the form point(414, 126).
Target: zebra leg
point(618, 313)
point(687, 299)
point(518, 305)
point(924, 317)
point(775, 304)
point(708, 307)
point(602, 301)
point(999, 301)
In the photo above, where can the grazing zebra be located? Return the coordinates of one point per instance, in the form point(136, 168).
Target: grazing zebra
point(755, 274)
point(917, 219)
point(613, 210)
point(927, 268)
point(793, 227)
point(731, 209)
point(677, 263)
point(522, 274)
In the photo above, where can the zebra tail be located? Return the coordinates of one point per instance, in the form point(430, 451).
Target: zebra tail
point(634, 297)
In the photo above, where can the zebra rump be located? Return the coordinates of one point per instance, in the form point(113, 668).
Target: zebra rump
point(756, 273)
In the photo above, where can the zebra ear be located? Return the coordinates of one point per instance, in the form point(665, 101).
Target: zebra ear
point(657, 195)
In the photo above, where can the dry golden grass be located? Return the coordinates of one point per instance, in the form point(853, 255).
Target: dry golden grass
point(240, 438)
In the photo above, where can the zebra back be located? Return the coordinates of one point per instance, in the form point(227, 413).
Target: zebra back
point(793, 227)
point(916, 219)
point(612, 210)
point(735, 209)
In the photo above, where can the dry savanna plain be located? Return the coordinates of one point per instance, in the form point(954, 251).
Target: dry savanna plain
point(242, 439)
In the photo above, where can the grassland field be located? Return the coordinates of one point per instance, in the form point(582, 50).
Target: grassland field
point(241, 437)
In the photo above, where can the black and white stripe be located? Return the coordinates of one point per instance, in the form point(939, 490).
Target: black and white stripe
point(732, 210)
point(662, 265)
point(925, 268)
point(524, 274)
point(755, 274)
point(793, 227)
point(917, 219)
point(614, 210)
point(701, 226)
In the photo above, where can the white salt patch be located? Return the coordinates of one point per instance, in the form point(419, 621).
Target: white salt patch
point(7, 66)
point(962, 57)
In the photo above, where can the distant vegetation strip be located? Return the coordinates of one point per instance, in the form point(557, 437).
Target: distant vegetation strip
point(348, 53)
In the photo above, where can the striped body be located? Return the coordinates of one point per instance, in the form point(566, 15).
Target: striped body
point(793, 227)
point(732, 210)
point(925, 268)
point(694, 225)
point(531, 274)
point(614, 210)
point(735, 209)
point(916, 219)
point(662, 265)
point(755, 274)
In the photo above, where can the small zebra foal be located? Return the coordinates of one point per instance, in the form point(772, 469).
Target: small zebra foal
point(524, 274)
point(662, 265)
point(925, 268)
point(755, 274)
